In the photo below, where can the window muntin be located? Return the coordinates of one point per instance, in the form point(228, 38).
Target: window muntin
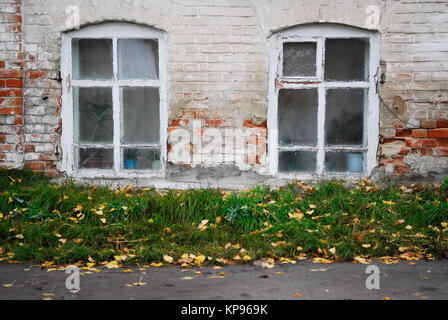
point(100, 135)
point(347, 104)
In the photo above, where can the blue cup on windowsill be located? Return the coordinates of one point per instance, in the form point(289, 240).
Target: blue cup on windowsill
point(130, 163)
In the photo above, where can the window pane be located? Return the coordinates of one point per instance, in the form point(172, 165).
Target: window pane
point(93, 115)
point(339, 161)
point(138, 59)
point(141, 159)
point(344, 119)
point(92, 59)
point(140, 114)
point(299, 59)
point(297, 117)
point(299, 161)
point(94, 158)
point(346, 59)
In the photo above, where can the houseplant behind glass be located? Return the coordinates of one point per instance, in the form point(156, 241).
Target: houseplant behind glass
point(101, 116)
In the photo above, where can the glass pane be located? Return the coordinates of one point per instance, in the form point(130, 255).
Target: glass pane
point(138, 59)
point(141, 159)
point(344, 118)
point(94, 158)
point(339, 161)
point(299, 59)
point(346, 59)
point(93, 115)
point(299, 161)
point(297, 117)
point(92, 59)
point(140, 114)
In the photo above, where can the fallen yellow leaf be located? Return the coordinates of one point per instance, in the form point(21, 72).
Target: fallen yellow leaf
point(362, 260)
point(156, 265)
point(112, 264)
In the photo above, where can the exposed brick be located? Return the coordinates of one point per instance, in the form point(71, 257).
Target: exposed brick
point(402, 169)
point(426, 152)
point(412, 143)
point(441, 152)
point(404, 151)
point(14, 83)
point(429, 142)
point(442, 123)
point(16, 102)
point(5, 148)
point(189, 114)
point(52, 173)
point(35, 74)
point(428, 124)
point(171, 129)
point(11, 110)
point(419, 133)
point(11, 93)
point(30, 148)
point(403, 133)
point(442, 143)
point(438, 133)
point(35, 165)
point(175, 123)
point(49, 166)
point(250, 124)
point(10, 73)
point(392, 161)
point(215, 123)
point(18, 120)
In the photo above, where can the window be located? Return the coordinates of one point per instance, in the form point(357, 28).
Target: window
point(114, 104)
point(323, 104)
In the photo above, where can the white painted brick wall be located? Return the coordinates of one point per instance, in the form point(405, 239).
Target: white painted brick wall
point(218, 59)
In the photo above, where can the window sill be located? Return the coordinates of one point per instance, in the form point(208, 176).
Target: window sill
point(110, 174)
point(317, 177)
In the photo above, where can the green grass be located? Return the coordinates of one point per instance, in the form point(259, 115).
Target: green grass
point(40, 221)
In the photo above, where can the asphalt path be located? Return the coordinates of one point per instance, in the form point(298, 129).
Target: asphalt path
point(419, 280)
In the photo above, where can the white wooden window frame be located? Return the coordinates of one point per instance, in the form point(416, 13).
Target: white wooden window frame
point(113, 31)
point(319, 33)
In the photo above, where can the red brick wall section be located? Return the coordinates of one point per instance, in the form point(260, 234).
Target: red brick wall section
point(430, 140)
point(255, 137)
point(11, 84)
